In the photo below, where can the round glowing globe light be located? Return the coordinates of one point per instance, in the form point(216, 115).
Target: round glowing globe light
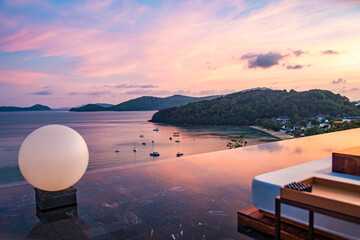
point(53, 157)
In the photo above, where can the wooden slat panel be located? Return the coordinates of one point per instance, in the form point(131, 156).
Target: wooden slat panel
point(290, 230)
point(347, 164)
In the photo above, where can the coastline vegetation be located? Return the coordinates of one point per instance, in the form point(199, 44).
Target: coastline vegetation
point(257, 106)
point(334, 127)
point(237, 142)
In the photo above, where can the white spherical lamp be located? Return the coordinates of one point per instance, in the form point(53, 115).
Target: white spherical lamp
point(53, 157)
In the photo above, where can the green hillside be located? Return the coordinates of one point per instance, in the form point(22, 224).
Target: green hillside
point(244, 108)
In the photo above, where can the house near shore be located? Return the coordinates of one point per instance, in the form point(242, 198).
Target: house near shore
point(349, 119)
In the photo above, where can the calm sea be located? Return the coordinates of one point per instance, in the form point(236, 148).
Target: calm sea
point(105, 132)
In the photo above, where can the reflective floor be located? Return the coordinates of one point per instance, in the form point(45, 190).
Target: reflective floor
point(195, 197)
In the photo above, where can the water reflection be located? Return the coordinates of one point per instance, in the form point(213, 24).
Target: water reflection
point(193, 197)
point(107, 132)
point(239, 166)
point(60, 223)
point(297, 150)
point(54, 215)
point(270, 147)
point(74, 228)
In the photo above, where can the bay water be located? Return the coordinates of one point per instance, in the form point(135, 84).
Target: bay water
point(106, 132)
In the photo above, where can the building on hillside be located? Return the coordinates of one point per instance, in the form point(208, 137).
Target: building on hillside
point(349, 119)
point(320, 117)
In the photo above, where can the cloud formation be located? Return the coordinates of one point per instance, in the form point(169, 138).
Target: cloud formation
point(90, 93)
point(42, 93)
point(210, 66)
point(266, 60)
point(149, 93)
point(131, 86)
point(298, 53)
point(134, 45)
point(340, 80)
point(330, 52)
point(292, 67)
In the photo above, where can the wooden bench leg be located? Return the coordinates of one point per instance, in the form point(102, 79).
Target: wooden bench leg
point(311, 224)
point(277, 218)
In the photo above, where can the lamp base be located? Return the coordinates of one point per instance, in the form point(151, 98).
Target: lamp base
point(57, 214)
point(46, 200)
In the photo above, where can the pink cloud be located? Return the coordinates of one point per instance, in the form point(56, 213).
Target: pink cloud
point(22, 78)
point(173, 44)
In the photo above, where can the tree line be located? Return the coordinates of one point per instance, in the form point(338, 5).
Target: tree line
point(256, 106)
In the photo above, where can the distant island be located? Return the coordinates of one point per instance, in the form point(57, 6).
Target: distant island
point(145, 103)
point(37, 107)
point(296, 113)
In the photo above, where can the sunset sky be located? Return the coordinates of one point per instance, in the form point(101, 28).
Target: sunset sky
point(67, 53)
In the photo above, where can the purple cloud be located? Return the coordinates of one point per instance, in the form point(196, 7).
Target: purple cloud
point(89, 93)
point(340, 80)
point(131, 86)
point(262, 60)
point(42, 93)
point(148, 92)
point(298, 53)
point(330, 52)
point(292, 67)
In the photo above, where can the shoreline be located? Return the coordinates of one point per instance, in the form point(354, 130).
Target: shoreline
point(280, 135)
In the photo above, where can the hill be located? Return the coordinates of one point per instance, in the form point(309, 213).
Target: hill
point(145, 103)
point(89, 108)
point(245, 108)
point(36, 107)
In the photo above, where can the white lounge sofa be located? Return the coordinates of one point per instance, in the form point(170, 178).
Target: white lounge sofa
point(266, 187)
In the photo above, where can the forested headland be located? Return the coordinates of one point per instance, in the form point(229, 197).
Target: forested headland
point(256, 107)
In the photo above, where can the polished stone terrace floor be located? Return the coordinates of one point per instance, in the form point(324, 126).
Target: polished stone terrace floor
point(194, 197)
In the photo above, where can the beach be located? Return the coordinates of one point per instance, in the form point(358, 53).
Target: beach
point(277, 134)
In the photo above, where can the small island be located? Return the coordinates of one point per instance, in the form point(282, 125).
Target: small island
point(36, 107)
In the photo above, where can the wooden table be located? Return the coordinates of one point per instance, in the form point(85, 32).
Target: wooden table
point(332, 198)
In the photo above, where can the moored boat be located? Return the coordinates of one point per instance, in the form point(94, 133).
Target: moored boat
point(152, 152)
